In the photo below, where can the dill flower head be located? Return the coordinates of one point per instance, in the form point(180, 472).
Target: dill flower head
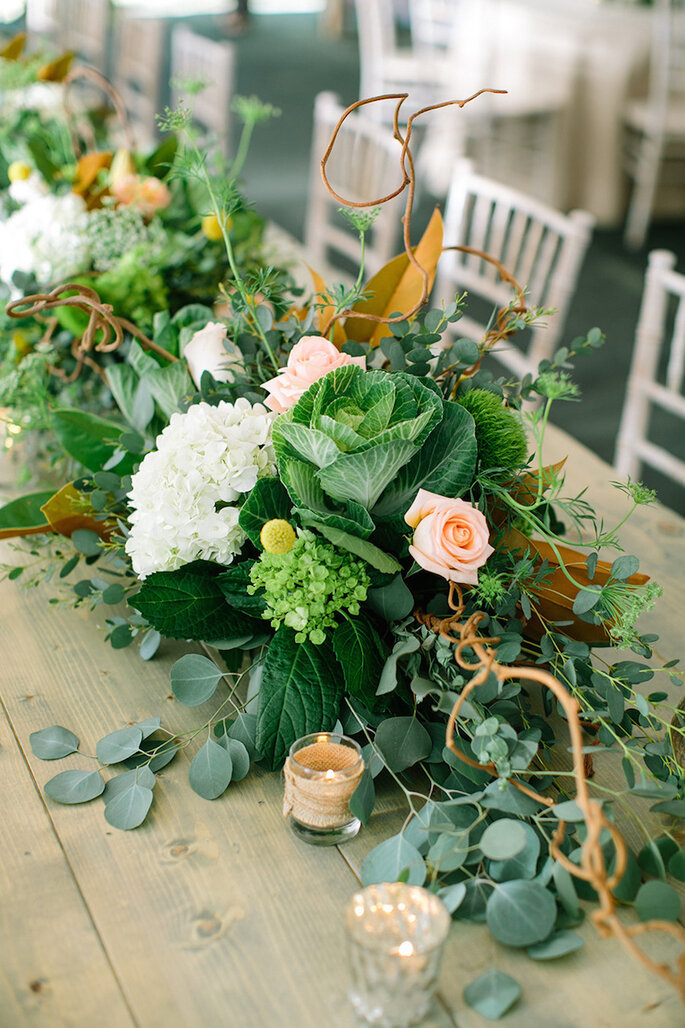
point(305, 587)
point(184, 494)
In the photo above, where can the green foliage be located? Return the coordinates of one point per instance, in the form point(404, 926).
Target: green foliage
point(306, 587)
point(492, 994)
point(189, 604)
point(300, 692)
point(53, 743)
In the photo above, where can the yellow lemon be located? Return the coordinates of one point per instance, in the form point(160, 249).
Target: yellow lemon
point(277, 536)
point(212, 228)
point(18, 171)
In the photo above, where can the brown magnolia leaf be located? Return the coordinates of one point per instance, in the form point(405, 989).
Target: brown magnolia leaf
point(64, 517)
point(398, 286)
point(556, 596)
point(87, 170)
point(327, 312)
point(56, 71)
point(524, 490)
point(15, 48)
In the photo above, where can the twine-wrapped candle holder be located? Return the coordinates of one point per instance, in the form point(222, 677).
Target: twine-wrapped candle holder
point(321, 773)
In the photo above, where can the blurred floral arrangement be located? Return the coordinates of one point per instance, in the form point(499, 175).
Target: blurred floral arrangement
point(121, 222)
point(337, 500)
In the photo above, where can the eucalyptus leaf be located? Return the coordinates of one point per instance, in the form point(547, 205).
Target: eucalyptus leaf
point(138, 776)
point(403, 741)
point(492, 994)
point(75, 786)
point(657, 901)
point(128, 808)
point(118, 746)
point(520, 913)
point(240, 758)
point(503, 839)
point(557, 945)
point(194, 679)
point(363, 798)
point(387, 861)
point(53, 743)
point(210, 770)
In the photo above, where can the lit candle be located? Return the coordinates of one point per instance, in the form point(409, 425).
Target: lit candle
point(396, 934)
point(321, 773)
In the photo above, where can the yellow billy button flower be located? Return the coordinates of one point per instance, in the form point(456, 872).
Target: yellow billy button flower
point(212, 227)
point(17, 171)
point(277, 536)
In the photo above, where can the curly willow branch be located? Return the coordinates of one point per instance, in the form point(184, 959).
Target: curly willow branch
point(101, 321)
point(506, 315)
point(84, 71)
point(463, 635)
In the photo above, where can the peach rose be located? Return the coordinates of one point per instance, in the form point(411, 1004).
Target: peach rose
point(146, 194)
point(309, 360)
point(450, 537)
point(209, 350)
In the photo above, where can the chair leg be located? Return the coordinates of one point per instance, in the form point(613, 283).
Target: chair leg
point(642, 197)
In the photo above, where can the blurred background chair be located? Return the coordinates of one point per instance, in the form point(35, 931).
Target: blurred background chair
point(86, 27)
point(655, 382)
point(541, 247)
point(386, 67)
point(364, 165)
point(655, 125)
point(43, 21)
point(197, 58)
point(139, 55)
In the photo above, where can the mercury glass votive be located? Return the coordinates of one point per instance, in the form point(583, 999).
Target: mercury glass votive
point(395, 935)
point(321, 773)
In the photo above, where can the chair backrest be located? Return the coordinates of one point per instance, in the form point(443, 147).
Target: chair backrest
point(196, 57)
point(137, 70)
point(657, 372)
point(43, 18)
point(667, 61)
point(433, 24)
point(86, 30)
point(377, 41)
point(364, 165)
point(541, 247)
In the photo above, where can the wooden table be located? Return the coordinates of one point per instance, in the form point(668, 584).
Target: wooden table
point(214, 913)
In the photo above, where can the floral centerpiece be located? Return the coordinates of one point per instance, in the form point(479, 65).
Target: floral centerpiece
point(131, 226)
point(353, 517)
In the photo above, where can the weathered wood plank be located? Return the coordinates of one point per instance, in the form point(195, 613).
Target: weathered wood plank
point(210, 911)
point(53, 970)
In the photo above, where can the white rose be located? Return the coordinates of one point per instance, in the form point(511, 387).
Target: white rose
point(209, 350)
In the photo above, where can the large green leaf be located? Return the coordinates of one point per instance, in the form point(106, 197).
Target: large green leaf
point(85, 437)
point(445, 464)
point(233, 583)
point(301, 689)
point(189, 604)
point(360, 547)
point(267, 500)
point(133, 397)
point(24, 516)
point(362, 654)
point(168, 386)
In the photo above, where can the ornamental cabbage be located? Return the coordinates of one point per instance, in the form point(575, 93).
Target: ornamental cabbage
point(358, 445)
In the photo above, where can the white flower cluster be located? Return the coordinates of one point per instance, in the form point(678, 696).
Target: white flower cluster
point(184, 491)
point(47, 235)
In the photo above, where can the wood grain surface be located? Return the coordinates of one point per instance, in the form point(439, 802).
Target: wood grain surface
point(214, 913)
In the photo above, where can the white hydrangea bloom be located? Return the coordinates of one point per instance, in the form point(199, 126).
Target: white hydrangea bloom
point(206, 457)
point(48, 236)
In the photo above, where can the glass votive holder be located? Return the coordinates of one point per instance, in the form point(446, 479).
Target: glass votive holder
point(321, 773)
point(395, 939)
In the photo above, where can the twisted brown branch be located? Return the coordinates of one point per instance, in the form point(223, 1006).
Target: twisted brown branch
point(592, 868)
point(85, 71)
point(104, 331)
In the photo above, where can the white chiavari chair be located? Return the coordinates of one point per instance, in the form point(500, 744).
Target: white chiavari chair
point(43, 21)
point(655, 125)
point(657, 373)
point(86, 28)
point(137, 70)
point(196, 57)
point(364, 165)
point(541, 247)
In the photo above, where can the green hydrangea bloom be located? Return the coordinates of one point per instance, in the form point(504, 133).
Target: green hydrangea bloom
point(307, 586)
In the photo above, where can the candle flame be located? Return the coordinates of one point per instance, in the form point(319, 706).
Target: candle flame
point(322, 738)
point(329, 775)
point(406, 949)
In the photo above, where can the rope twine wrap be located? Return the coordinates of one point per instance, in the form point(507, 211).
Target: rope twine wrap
point(311, 798)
